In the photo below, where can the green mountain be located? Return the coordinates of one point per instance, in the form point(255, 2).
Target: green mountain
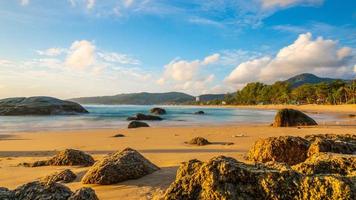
point(305, 78)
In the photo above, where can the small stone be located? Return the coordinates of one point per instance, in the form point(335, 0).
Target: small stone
point(200, 141)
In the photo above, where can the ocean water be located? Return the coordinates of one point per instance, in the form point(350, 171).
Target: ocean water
point(114, 116)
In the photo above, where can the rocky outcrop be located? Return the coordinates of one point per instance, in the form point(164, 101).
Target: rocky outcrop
point(225, 178)
point(39, 106)
point(140, 116)
point(84, 193)
point(326, 163)
point(199, 112)
point(118, 167)
point(291, 117)
point(287, 149)
point(65, 176)
point(68, 157)
point(344, 144)
point(40, 190)
point(158, 111)
point(137, 124)
point(6, 194)
point(200, 141)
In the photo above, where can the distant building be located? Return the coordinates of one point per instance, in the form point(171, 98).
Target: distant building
point(197, 99)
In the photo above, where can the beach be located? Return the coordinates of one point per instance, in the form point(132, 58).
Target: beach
point(164, 146)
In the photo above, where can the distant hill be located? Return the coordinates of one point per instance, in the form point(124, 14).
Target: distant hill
point(305, 78)
point(145, 98)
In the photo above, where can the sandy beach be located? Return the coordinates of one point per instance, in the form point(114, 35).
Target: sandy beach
point(163, 146)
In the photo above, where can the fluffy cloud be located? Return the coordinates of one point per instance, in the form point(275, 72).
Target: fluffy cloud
point(285, 3)
point(81, 55)
point(51, 52)
point(320, 56)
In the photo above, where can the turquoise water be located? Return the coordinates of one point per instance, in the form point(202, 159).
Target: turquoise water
point(115, 117)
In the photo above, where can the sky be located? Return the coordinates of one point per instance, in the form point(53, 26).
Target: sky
point(76, 48)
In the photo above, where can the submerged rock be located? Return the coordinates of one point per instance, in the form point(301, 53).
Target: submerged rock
point(291, 117)
point(199, 112)
point(140, 116)
point(84, 193)
point(225, 178)
point(118, 167)
point(137, 124)
point(158, 111)
point(39, 106)
point(200, 141)
point(68, 157)
point(65, 176)
point(326, 163)
point(40, 190)
point(288, 149)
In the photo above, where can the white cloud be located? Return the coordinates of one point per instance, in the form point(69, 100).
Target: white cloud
point(81, 54)
point(285, 3)
point(118, 58)
point(24, 2)
point(320, 56)
point(51, 52)
point(90, 4)
point(128, 3)
point(211, 59)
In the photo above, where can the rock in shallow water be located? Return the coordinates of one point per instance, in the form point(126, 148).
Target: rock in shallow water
point(140, 116)
point(39, 106)
point(158, 111)
point(291, 117)
point(118, 167)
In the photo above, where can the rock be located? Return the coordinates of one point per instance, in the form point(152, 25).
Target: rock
point(68, 157)
point(158, 111)
point(119, 135)
point(288, 149)
point(84, 193)
point(326, 163)
point(118, 167)
point(42, 191)
point(65, 176)
point(140, 116)
point(199, 112)
point(6, 194)
point(39, 106)
point(344, 144)
point(200, 141)
point(225, 178)
point(137, 124)
point(351, 115)
point(291, 117)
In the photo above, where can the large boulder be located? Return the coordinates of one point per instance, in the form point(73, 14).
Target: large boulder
point(327, 163)
point(39, 106)
point(200, 141)
point(344, 144)
point(6, 194)
point(291, 117)
point(118, 167)
point(65, 176)
point(158, 111)
point(84, 193)
point(287, 149)
point(225, 178)
point(137, 124)
point(68, 157)
point(40, 190)
point(140, 116)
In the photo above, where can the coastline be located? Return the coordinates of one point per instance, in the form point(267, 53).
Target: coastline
point(164, 146)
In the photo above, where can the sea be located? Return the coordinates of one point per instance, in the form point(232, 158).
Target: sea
point(114, 116)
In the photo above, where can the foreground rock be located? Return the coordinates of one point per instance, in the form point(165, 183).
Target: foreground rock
point(140, 116)
point(118, 167)
point(287, 149)
point(137, 124)
point(68, 157)
point(65, 176)
point(39, 106)
point(326, 163)
point(6, 194)
point(344, 144)
point(158, 111)
point(84, 193)
point(291, 117)
point(200, 141)
point(225, 178)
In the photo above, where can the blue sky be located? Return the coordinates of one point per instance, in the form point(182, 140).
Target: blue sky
point(71, 48)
